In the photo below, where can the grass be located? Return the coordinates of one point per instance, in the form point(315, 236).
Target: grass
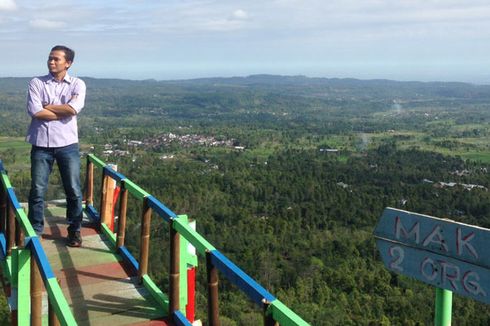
point(14, 143)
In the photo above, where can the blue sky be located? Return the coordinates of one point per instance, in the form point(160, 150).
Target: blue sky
point(138, 39)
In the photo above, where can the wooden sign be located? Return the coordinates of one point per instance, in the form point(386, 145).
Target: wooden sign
point(440, 252)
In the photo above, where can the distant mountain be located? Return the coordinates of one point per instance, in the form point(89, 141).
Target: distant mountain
point(297, 85)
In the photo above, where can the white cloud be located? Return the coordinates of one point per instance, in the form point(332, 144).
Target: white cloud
point(46, 24)
point(7, 5)
point(240, 14)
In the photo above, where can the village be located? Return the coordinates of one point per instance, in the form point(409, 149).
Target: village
point(168, 139)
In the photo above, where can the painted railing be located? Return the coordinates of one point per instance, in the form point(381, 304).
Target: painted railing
point(275, 312)
point(25, 266)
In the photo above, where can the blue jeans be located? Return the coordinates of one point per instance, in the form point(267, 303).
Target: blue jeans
point(68, 161)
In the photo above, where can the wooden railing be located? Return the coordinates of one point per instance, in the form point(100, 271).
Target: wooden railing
point(275, 312)
point(25, 265)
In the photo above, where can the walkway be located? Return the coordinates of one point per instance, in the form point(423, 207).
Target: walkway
point(99, 287)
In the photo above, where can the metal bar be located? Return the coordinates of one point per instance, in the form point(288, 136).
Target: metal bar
point(444, 301)
point(52, 318)
point(36, 294)
point(213, 306)
point(174, 270)
point(121, 228)
point(11, 228)
point(145, 240)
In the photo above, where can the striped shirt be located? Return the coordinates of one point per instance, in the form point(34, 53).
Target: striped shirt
point(47, 90)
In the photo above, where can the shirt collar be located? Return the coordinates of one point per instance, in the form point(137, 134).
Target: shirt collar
point(67, 79)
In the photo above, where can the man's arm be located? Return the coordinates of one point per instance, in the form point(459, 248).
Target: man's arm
point(61, 110)
point(46, 115)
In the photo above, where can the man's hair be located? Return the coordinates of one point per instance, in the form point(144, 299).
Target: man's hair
point(69, 53)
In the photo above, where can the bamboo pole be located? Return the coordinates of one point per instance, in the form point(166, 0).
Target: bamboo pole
point(36, 294)
point(52, 318)
point(11, 229)
point(89, 185)
point(103, 189)
point(19, 234)
point(174, 270)
point(268, 320)
point(213, 306)
point(109, 186)
point(121, 228)
point(145, 240)
point(3, 210)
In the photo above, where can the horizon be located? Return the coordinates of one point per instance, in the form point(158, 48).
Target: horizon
point(262, 75)
point(175, 40)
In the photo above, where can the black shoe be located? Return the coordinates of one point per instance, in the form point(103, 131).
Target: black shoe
point(74, 239)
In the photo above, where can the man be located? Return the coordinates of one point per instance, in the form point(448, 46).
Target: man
point(53, 103)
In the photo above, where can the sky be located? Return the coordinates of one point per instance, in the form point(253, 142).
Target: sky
point(426, 40)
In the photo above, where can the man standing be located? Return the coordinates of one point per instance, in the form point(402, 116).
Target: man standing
point(53, 103)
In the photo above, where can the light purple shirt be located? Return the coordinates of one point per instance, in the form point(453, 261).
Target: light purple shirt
point(47, 90)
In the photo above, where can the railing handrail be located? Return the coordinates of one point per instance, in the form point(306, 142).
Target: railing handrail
point(274, 310)
point(31, 242)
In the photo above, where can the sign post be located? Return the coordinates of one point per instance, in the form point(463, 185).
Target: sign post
point(444, 302)
point(440, 252)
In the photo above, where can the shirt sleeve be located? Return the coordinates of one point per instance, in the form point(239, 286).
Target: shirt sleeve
point(77, 100)
point(34, 98)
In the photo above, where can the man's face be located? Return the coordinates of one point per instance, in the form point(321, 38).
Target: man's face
point(57, 62)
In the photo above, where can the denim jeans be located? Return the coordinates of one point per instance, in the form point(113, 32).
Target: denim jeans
point(68, 160)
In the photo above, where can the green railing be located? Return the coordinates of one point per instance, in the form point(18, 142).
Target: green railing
point(25, 266)
point(275, 312)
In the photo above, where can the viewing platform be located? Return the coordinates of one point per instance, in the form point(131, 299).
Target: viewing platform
point(101, 289)
point(101, 282)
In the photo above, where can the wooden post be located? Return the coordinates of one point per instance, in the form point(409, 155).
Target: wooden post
point(11, 228)
point(213, 307)
point(3, 210)
point(121, 228)
point(268, 320)
point(106, 210)
point(36, 294)
point(174, 270)
point(145, 240)
point(103, 197)
point(19, 234)
point(89, 183)
point(52, 319)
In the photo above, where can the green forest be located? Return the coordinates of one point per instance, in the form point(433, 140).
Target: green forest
point(287, 176)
